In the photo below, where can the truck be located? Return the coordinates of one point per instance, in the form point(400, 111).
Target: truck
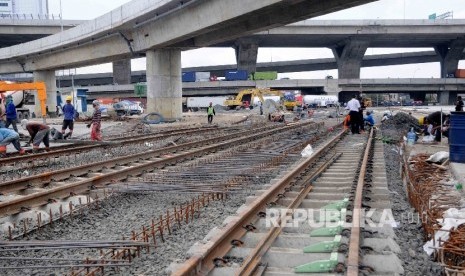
point(203, 102)
point(320, 100)
point(16, 92)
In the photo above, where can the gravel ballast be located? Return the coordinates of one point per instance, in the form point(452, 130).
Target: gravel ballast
point(409, 233)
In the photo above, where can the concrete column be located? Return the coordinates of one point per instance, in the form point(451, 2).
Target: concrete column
point(164, 83)
point(450, 55)
point(246, 55)
point(349, 57)
point(447, 97)
point(122, 71)
point(48, 77)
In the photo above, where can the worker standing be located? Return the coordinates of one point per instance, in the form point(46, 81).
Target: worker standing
point(96, 132)
point(354, 106)
point(11, 115)
point(210, 113)
point(68, 118)
point(39, 133)
point(360, 114)
point(8, 136)
point(459, 104)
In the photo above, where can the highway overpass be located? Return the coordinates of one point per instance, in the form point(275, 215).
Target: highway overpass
point(449, 88)
point(153, 27)
point(17, 31)
point(219, 70)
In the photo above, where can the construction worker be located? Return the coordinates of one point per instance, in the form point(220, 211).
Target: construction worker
point(96, 132)
point(2, 113)
point(369, 119)
point(210, 112)
point(354, 107)
point(459, 104)
point(11, 115)
point(8, 136)
point(68, 118)
point(38, 132)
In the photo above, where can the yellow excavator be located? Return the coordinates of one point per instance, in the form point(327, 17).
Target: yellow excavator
point(10, 89)
point(245, 97)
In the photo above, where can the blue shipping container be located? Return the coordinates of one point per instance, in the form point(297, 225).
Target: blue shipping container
point(188, 76)
point(236, 75)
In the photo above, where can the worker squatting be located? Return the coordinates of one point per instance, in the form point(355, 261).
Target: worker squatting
point(40, 133)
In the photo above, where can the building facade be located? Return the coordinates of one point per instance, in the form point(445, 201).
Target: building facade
point(31, 8)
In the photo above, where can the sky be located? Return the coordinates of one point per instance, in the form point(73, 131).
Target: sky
point(383, 9)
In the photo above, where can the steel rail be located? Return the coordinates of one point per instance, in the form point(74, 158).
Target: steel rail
point(40, 179)
point(72, 149)
point(250, 264)
point(201, 264)
point(41, 198)
point(353, 258)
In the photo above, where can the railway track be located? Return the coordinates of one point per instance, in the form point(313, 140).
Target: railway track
point(329, 214)
point(18, 162)
point(65, 186)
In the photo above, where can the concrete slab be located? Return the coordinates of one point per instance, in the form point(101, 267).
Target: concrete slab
point(382, 245)
point(384, 263)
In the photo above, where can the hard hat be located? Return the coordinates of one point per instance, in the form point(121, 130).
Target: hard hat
point(95, 102)
point(24, 123)
point(69, 98)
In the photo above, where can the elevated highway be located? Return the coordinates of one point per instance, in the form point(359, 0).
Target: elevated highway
point(17, 31)
point(416, 86)
point(280, 66)
point(155, 28)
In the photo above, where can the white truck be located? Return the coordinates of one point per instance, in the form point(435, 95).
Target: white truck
point(203, 102)
point(320, 100)
point(19, 100)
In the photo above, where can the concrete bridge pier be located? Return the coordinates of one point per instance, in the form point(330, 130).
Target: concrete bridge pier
point(447, 97)
point(164, 83)
point(246, 55)
point(349, 56)
point(122, 71)
point(450, 55)
point(345, 96)
point(49, 78)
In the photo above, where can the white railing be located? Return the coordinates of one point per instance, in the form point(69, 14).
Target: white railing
point(24, 16)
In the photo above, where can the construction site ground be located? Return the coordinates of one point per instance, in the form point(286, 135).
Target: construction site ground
point(409, 233)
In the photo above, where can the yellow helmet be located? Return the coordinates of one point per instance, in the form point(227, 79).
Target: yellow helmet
point(421, 120)
point(69, 98)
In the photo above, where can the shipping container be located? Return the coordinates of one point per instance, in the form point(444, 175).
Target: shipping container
point(460, 73)
point(236, 75)
point(202, 76)
point(271, 75)
point(188, 76)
